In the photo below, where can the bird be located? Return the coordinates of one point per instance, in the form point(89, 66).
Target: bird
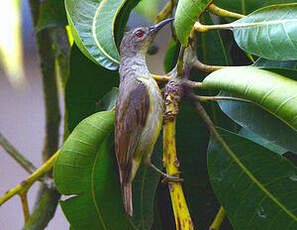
point(139, 109)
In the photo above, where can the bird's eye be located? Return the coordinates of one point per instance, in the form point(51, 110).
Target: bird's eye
point(139, 33)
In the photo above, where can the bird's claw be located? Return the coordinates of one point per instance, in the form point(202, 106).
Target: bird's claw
point(172, 178)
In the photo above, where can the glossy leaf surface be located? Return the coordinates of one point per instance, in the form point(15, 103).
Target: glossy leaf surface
point(241, 82)
point(93, 25)
point(270, 32)
point(260, 122)
point(187, 13)
point(261, 141)
point(275, 93)
point(84, 168)
point(256, 187)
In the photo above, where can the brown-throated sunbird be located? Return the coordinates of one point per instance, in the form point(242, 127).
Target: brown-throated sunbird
point(139, 109)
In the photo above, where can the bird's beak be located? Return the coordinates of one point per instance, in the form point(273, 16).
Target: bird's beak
point(155, 28)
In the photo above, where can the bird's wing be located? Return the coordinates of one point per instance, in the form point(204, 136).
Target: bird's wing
point(131, 115)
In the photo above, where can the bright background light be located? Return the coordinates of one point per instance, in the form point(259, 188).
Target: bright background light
point(11, 52)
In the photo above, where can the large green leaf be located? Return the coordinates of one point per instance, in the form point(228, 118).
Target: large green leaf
point(187, 13)
point(84, 168)
point(261, 122)
point(86, 85)
point(51, 13)
point(254, 84)
point(270, 32)
point(256, 187)
point(275, 93)
point(93, 25)
point(248, 6)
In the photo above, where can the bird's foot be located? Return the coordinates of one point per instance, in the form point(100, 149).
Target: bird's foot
point(167, 178)
point(172, 178)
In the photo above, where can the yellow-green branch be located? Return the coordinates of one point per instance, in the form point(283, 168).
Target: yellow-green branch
point(205, 68)
point(223, 13)
point(26, 184)
point(182, 216)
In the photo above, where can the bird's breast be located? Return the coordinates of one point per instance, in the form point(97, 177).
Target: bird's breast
point(154, 120)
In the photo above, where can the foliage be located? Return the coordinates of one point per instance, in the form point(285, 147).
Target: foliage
point(268, 121)
point(241, 164)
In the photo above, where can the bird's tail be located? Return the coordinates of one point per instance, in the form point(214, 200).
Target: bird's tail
point(127, 198)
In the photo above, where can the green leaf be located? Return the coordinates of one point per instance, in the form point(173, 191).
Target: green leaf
point(93, 25)
point(284, 68)
point(254, 84)
point(261, 141)
point(248, 6)
point(273, 92)
point(51, 14)
point(187, 13)
point(260, 122)
point(270, 64)
point(84, 168)
point(86, 85)
point(256, 187)
point(270, 32)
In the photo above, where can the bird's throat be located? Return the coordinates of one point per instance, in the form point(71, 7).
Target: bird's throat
point(133, 64)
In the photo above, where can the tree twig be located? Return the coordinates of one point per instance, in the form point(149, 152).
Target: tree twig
point(223, 13)
point(217, 222)
point(173, 94)
point(26, 184)
point(15, 154)
point(205, 68)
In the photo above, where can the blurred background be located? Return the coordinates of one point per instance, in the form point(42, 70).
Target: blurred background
point(22, 117)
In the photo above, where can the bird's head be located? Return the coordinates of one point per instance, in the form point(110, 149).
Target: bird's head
point(138, 40)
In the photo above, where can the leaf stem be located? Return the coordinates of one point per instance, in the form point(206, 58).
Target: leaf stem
point(219, 98)
point(16, 155)
point(231, 26)
point(223, 13)
point(217, 222)
point(26, 184)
